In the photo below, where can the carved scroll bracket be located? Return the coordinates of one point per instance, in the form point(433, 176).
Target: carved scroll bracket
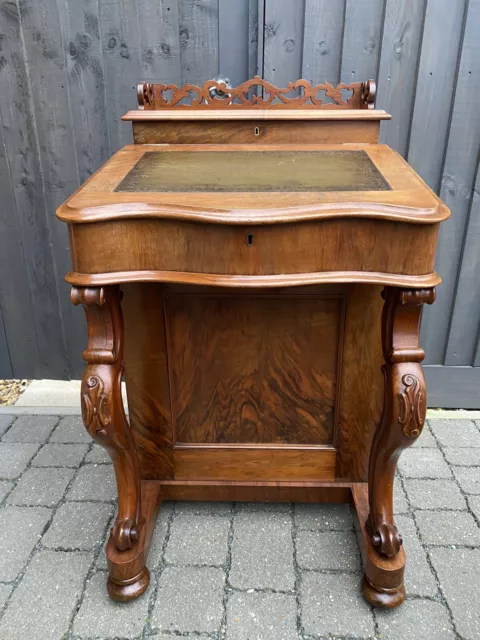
point(404, 411)
point(102, 407)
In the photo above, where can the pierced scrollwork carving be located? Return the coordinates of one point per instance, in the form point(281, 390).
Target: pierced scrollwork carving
point(217, 94)
point(413, 406)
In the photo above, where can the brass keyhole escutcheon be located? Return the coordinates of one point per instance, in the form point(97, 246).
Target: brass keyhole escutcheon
point(256, 131)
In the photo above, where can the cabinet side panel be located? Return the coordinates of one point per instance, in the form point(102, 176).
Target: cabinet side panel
point(361, 393)
point(146, 377)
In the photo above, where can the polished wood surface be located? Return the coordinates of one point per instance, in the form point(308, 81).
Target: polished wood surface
point(255, 130)
point(288, 414)
point(254, 370)
point(260, 360)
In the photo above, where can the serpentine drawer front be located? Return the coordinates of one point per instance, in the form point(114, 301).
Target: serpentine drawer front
point(241, 210)
point(262, 303)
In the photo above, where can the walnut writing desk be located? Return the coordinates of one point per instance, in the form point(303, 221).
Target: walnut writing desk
point(232, 265)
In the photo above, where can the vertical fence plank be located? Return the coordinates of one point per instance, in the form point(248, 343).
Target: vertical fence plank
point(18, 316)
point(159, 41)
point(233, 33)
point(323, 39)
point(434, 91)
point(456, 187)
point(255, 37)
point(6, 370)
point(362, 39)
point(23, 144)
point(462, 337)
point(121, 54)
point(86, 83)
point(402, 32)
point(198, 40)
point(283, 41)
point(46, 58)
point(464, 330)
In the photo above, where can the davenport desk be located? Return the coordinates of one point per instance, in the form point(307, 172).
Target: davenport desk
point(255, 268)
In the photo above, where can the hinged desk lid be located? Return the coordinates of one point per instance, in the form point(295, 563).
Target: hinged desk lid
point(255, 184)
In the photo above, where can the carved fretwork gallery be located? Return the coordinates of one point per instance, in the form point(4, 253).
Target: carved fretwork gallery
point(257, 94)
point(231, 264)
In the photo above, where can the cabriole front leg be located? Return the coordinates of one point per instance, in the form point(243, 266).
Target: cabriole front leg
point(402, 423)
point(104, 418)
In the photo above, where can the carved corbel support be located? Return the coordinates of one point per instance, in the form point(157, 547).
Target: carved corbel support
point(404, 408)
point(102, 407)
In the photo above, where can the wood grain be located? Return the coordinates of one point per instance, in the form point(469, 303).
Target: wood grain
point(256, 131)
point(252, 370)
point(335, 245)
point(254, 464)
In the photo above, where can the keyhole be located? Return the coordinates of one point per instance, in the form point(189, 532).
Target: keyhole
point(256, 131)
point(249, 239)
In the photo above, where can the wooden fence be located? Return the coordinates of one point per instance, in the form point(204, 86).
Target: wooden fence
point(68, 70)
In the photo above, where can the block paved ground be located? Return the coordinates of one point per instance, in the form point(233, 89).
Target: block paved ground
point(230, 571)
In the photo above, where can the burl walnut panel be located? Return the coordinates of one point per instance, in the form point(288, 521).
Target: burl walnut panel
point(357, 381)
point(245, 369)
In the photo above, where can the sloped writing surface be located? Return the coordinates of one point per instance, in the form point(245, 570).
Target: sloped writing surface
point(241, 171)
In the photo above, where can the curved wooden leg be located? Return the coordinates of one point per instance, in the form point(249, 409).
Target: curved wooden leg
point(104, 418)
point(402, 422)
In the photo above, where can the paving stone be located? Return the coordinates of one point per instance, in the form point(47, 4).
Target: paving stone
point(468, 478)
point(262, 552)
point(5, 591)
point(5, 423)
point(261, 616)
point(40, 486)
point(328, 550)
point(203, 508)
point(189, 599)
point(70, 430)
point(21, 530)
point(457, 571)
point(423, 463)
point(419, 580)
point(331, 604)
point(415, 619)
point(161, 529)
point(43, 603)
point(169, 636)
point(98, 455)
point(474, 504)
point(101, 560)
point(14, 458)
point(264, 507)
point(456, 433)
point(426, 440)
point(5, 488)
point(31, 429)
point(99, 615)
point(60, 455)
point(462, 457)
point(78, 525)
point(198, 540)
point(400, 504)
point(94, 482)
point(448, 527)
point(434, 494)
point(326, 517)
